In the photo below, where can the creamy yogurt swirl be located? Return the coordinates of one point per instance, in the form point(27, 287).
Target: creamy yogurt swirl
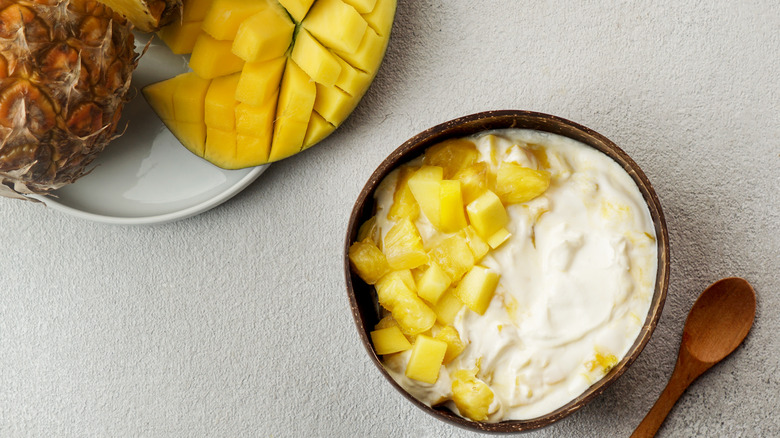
point(577, 278)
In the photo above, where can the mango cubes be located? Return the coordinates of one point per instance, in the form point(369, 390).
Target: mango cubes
point(301, 66)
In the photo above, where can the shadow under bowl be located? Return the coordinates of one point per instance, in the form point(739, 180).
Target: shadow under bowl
point(362, 296)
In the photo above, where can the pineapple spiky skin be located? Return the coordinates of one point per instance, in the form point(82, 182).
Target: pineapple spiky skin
point(65, 69)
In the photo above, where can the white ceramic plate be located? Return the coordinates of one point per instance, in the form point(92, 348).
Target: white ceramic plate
point(146, 176)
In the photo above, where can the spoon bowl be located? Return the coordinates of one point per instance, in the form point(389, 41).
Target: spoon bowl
point(718, 322)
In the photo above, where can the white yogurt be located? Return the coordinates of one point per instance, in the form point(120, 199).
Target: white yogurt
point(577, 278)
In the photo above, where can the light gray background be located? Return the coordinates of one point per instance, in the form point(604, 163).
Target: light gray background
point(236, 322)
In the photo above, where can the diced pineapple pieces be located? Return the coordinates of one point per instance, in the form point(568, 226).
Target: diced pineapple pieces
point(433, 283)
point(452, 215)
point(411, 313)
point(478, 246)
point(516, 184)
point(473, 181)
point(487, 214)
point(336, 24)
point(368, 261)
point(403, 246)
point(389, 340)
point(447, 308)
point(451, 155)
point(369, 230)
point(425, 185)
point(387, 321)
point(404, 204)
point(453, 255)
point(265, 35)
point(426, 359)
point(498, 238)
point(455, 346)
point(477, 288)
point(472, 396)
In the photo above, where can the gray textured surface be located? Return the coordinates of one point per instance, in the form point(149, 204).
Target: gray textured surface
point(236, 323)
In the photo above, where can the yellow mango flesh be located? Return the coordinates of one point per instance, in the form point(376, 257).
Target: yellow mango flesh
point(297, 8)
point(191, 135)
point(314, 59)
point(336, 24)
point(336, 50)
point(225, 16)
point(425, 185)
point(189, 98)
point(426, 359)
point(180, 36)
point(160, 97)
point(433, 283)
point(259, 81)
point(211, 57)
point(220, 103)
point(447, 308)
point(389, 340)
point(452, 214)
point(220, 147)
point(263, 36)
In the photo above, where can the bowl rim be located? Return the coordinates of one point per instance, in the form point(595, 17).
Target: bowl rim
point(487, 121)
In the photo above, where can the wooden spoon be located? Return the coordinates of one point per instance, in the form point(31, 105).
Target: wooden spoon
point(717, 323)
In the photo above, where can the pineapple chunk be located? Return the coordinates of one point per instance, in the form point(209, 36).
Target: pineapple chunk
point(220, 147)
point(426, 359)
point(362, 6)
point(405, 275)
point(516, 184)
point(433, 283)
point(195, 10)
point(498, 238)
point(452, 216)
point(220, 103)
point(389, 340)
point(296, 102)
point(477, 288)
point(454, 345)
point(265, 35)
point(317, 61)
point(387, 321)
point(478, 246)
point(297, 8)
point(333, 104)
point(160, 97)
point(369, 52)
point(224, 16)
point(473, 181)
point(404, 205)
point(189, 98)
point(471, 395)
point(425, 185)
point(318, 129)
point(259, 81)
point(146, 15)
point(411, 313)
point(180, 36)
point(211, 57)
point(336, 25)
point(452, 156)
point(403, 246)
point(381, 17)
point(368, 261)
point(453, 255)
point(487, 215)
point(447, 308)
point(369, 230)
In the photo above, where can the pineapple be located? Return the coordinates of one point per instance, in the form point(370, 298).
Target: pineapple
point(454, 345)
point(471, 395)
point(65, 69)
point(426, 359)
point(452, 156)
point(389, 340)
point(477, 288)
point(454, 256)
point(403, 246)
point(516, 184)
point(368, 261)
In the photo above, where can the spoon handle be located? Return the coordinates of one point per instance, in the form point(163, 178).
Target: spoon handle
point(685, 372)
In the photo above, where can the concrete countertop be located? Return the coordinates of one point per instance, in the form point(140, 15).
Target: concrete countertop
point(236, 323)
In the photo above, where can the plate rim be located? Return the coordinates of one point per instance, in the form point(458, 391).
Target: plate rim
point(176, 215)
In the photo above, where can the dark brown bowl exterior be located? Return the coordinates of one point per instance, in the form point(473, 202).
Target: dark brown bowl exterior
point(362, 297)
